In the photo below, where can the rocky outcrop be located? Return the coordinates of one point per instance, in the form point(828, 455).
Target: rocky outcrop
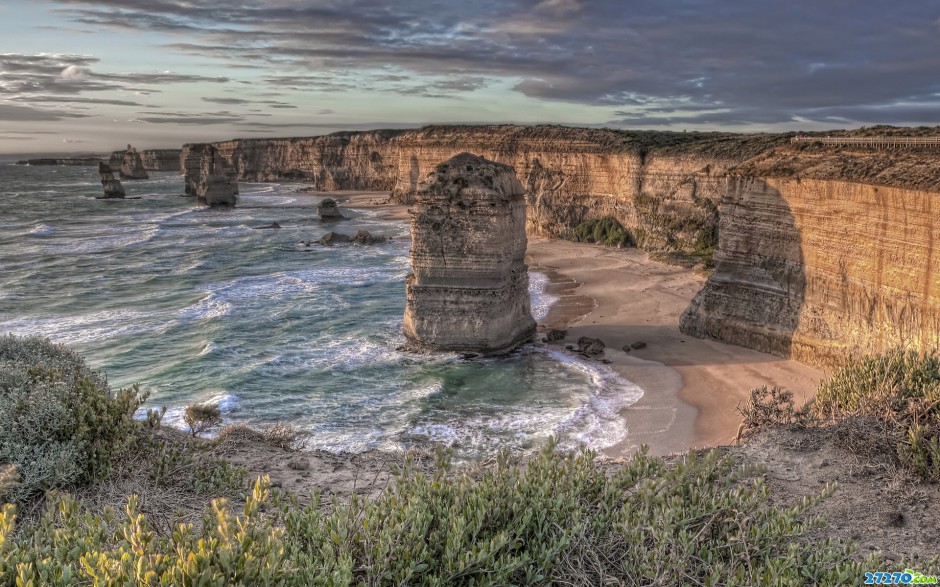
point(192, 158)
point(341, 161)
point(590, 347)
point(132, 167)
point(362, 237)
point(209, 177)
point(112, 186)
point(152, 159)
point(470, 288)
point(818, 270)
point(161, 159)
point(328, 209)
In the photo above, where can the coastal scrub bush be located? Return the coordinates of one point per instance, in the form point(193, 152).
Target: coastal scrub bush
point(560, 519)
point(769, 407)
point(62, 424)
point(901, 390)
point(202, 417)
point(606, 231)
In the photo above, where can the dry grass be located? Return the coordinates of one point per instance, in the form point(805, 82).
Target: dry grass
point(279, 435)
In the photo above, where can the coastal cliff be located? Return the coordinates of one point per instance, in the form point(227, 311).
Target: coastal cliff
point(152, 159)
point(664, 187)
point(819, 251)
point(818, 270)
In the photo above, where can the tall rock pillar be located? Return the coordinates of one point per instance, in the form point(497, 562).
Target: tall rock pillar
point(208, 176)
point(470, 288)
point(132, 166)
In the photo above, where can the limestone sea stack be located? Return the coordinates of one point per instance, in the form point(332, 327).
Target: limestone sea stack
point(328, 209)
point(132, 166)
point(470, 288)
point(214, 184)
point(112, 186)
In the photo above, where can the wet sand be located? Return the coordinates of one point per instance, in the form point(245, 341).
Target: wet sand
point(691, 387)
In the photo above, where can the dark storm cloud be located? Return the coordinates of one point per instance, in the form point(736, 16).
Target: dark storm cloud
point(690, 61)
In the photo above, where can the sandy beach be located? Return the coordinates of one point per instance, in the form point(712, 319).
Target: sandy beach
point(691, 387)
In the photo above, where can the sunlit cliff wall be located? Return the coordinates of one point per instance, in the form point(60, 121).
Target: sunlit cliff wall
point(822, 269)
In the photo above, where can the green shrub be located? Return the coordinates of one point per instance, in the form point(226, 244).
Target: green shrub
point(202, 417)
point(560, 520)
point(62, 424)
point(902, 390)
point(769, 407)
point(606, 231)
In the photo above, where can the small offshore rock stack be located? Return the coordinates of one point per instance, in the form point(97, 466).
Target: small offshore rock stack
point(132, 166)
point(328, 209)
point(112, 186)
point(470, 288)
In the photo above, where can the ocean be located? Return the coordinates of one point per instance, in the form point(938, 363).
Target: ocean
point(198, 305)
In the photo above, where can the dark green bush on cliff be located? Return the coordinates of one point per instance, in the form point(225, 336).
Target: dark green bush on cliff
point(60, 423)
point(901, 391)
point(605, 231)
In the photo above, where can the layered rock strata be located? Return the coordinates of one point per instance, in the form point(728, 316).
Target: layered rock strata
point(685, 194)
point(197, 157)
point(132, 167)
point(470, 288)
point(112, 186)
point(209, 177)
point(820, 270)
point(152, 159)
point(664, 187)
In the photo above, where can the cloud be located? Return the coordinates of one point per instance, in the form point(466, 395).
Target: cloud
point(49, 77)
point(756, 60)
point(75, 72)
point(15, 112)
point(241, 101)
point(73, 141)
point(76, 100)
point(191, 118)
point(227, 101)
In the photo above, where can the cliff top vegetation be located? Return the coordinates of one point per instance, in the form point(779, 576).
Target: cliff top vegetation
point(703, 518)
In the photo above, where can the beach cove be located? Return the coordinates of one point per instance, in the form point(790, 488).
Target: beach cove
point(691, 387)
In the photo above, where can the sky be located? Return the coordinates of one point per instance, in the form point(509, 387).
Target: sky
point(95, 75)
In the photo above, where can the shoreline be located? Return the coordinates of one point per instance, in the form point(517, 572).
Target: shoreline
point(691, 387)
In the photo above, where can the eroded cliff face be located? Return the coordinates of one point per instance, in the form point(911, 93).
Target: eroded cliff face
point(151, 159)
point(664, 187)
point(209, 177)
point(820, 251)
point(342, 161)
point(470, 288)
point(818, 270)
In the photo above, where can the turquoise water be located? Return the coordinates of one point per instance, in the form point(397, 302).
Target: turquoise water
point(197, 305)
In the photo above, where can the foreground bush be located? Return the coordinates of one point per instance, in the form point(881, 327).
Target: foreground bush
point(61, 423)
point(901, 390)
point(887, 401)
point(606, 231)
point(560, 520)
